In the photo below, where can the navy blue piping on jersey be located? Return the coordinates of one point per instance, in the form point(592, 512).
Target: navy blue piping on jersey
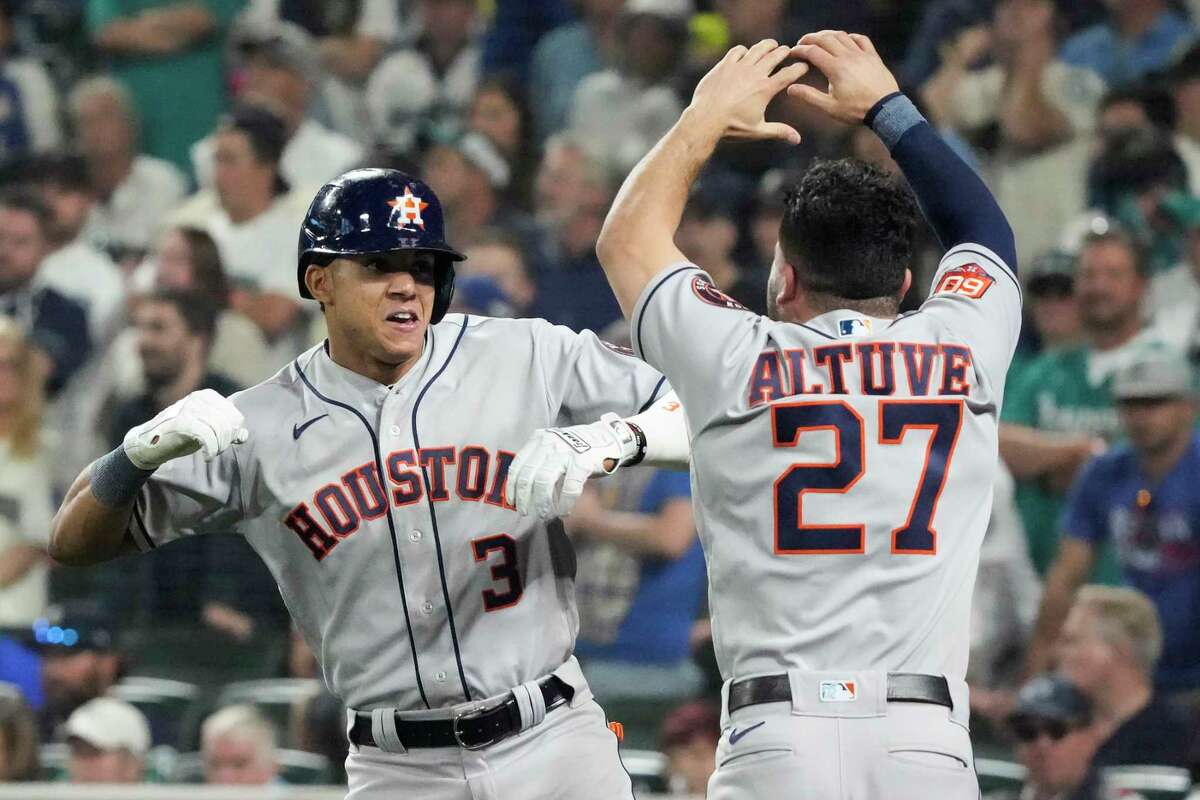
point(462, 676)
point(646, 304)
point(653, 394)
point(391, 523)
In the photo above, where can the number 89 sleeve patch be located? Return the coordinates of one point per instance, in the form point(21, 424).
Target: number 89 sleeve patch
point(969, 280)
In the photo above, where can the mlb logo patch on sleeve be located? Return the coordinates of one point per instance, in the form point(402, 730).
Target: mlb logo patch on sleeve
point(838, 692)
point(969, 280)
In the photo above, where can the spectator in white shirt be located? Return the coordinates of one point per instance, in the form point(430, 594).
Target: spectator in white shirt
point(25, 491)
point(279, 66)
point(29, 121)
point(133, 192)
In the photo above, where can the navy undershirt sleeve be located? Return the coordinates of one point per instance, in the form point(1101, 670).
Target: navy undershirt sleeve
point(957, 204)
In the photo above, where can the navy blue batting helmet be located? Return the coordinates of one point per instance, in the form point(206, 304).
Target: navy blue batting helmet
point(367, 211)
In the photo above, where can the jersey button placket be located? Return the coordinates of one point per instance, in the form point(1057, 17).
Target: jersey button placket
point(427, 607)
point(414, 536)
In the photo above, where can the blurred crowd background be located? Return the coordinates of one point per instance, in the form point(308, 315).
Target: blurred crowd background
point(156, 159)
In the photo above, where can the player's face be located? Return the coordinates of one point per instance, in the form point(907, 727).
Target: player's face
point(1154, 425)
point(377, 309)
point(1108, 285)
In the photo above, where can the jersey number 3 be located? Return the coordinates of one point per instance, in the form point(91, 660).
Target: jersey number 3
point(504, 568)
point(942, 418)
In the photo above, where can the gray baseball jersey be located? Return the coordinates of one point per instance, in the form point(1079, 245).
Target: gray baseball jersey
point(841, 469)
point(381, 510)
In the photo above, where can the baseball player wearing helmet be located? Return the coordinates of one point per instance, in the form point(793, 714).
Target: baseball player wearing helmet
point(370, 475)
point(843, 453)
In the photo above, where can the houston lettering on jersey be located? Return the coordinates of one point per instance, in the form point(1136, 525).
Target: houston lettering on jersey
point(339, 507)
point(876, 367)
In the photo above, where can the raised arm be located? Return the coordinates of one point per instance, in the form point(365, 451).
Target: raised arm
point(638, 239)
point(92, 525)
point(956, 202)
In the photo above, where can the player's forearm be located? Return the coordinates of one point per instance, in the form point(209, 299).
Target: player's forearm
point(665, 429)
point(638, 238)
point(92, 524)
point(16, 561)
point(958, 205)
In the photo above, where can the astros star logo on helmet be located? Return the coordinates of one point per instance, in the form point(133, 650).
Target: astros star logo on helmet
point(408, 210)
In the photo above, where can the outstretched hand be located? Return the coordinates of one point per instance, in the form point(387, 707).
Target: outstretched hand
point(858, 78)
point(734, 95)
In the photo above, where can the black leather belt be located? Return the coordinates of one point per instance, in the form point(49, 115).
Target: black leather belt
point(473, 730)
point(901, 687)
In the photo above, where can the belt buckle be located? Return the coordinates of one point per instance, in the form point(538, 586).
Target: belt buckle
point(474, 714)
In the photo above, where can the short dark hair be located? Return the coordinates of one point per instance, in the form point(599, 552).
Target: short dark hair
point(208, 274)
point(197, 311)
point(848, 229)
point(1156, 102)
point(66, 171)
point(266, 133)
point(1119, 236)
point(22, 198)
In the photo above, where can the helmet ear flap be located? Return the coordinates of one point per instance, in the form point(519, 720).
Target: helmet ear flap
point(444, 292)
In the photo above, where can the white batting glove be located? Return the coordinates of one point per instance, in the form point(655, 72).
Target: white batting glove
point(203, 421)
point(547, 475)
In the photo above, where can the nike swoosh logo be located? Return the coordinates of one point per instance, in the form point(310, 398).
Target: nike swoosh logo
point(735, 735)
point(297, 430)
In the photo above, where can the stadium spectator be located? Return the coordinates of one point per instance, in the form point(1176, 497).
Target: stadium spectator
point(108, 740)
point(132, 191)
point(941, 23)
point(500, 111)
point(1108, 648)
point(1139, 497)
point(625, 109)
point(754, 21)
point(320, 727)
point(80, 661)
point(572, 196)
point(18, 738)
point(708, 236)
point(280, 68)
point(497, 257)
point(1055, 742)
point(1052, 310)
point(424, 89)
point(54, 323)
point(254, 223)
point(29, 122)
point(25, 491)
point(1174, 297)
point(1060, 410)
point(471, 177)
point(1137, 38)
point(154, 47)
point(567, 55)
point(350, 39)
point(239, 746)
point(688, 738)
point(1140, 106)
point(74, 266)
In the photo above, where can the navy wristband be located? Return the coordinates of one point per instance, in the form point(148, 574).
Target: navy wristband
point(892, 117)
point(116, 480)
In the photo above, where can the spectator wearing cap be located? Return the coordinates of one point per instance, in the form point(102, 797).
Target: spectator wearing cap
point(55, 324)
point(567, 55)
point(154, 47)
point(1060, 410)
point(239, 746)
point(74, 266)
point(625, 109)
point(688, 738)
point(108, 741)
point(1137, 38)
point(1140, 497)
point(1108, 647)
point(25, 488)
point(1055, 743)
point(1174, 298)
point(572, 193)
point(424, 89)
point(132, 192)
point(1043, 109)
point(497, 280)
point(253, 219)
point(80, 661)
point(708, 236)
point(18, 738)
point(280, 68)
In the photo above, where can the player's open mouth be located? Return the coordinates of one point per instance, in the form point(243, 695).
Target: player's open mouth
point(403, 320)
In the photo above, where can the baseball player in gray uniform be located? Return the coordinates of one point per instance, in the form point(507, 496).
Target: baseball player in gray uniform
point(370, 475)
point(842, 453)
